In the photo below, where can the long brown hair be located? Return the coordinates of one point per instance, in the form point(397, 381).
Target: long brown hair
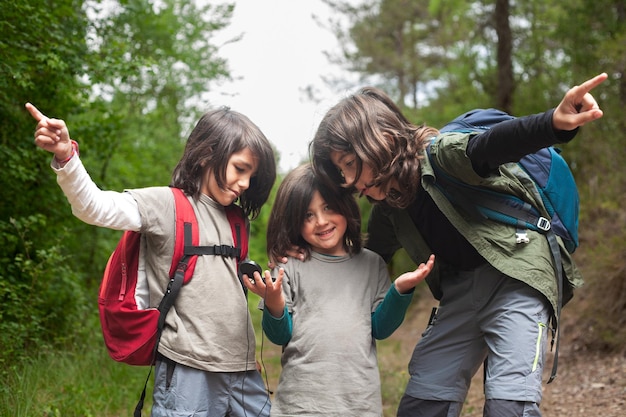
point(218, 134)
point(370, 125)
point(284, 228)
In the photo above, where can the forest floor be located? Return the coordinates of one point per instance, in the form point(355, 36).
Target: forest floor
point(588, 384)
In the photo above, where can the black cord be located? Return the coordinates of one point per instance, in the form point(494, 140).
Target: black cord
point(267, 383)
point(264, 370)
point(243, 381)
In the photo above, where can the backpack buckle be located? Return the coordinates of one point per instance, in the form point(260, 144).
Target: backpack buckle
point(226, 251)
point(221, 250)
point(543, 224)
point(521, 237)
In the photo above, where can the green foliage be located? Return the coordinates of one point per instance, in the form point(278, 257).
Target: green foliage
point(79, 381)
point(87, 382)
point(150, 63)
point(595, 40)
point(40, 51)
point(41, 57)
point(43, 301)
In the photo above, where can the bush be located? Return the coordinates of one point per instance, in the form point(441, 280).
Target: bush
point(42, 300)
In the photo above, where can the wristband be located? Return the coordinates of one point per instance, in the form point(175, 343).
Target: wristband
point(74, 152)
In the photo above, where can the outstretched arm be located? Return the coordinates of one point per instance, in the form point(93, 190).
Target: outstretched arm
point(509, 141)
point(90, 204)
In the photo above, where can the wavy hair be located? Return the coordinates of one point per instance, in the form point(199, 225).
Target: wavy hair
point(370, 125)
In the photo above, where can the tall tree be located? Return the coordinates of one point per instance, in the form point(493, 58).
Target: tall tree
point(506, 84)
point(394, 43)
point(444, 56)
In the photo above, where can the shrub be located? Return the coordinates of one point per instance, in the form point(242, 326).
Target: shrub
point(42, 299)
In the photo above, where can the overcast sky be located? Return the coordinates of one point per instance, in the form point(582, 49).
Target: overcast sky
point(281, 53)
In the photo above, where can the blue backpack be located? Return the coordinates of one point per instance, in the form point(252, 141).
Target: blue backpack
point(553, 181)
point(548, 170)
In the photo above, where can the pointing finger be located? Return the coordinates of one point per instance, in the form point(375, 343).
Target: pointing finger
point(589, 85)
point(37, 115)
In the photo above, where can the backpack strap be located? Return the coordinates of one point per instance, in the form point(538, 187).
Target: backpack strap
point(556, 317)
point(240, 231)
point(237, 220)
point(487, 204)
point(182, 265)
point(187, 226)
point(186, 250)
point(184, 216)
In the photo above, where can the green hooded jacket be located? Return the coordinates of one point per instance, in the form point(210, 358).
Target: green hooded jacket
point(390, 229)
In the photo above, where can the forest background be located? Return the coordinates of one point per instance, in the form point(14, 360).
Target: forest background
point(130, 80)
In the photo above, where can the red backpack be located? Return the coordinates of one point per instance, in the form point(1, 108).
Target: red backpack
point(132, 334)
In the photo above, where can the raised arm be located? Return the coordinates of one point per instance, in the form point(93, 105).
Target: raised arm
point(89, 203)
point(511, 140)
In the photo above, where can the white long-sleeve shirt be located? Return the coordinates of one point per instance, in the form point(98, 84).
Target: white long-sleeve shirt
point(110, 209)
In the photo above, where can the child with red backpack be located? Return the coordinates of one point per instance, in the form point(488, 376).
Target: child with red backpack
point(205, 363)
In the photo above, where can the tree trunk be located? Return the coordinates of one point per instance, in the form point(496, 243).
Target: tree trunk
point(506, 85)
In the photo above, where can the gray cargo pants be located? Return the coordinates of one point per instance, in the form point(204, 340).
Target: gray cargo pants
point(483, 314)
point(183, 391)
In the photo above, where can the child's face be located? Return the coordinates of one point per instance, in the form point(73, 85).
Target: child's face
point(324, 228)
point(345, 162)
point(242, 166)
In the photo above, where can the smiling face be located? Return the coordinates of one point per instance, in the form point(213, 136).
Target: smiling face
point(241, 167)
point(324, 228)
point(346, 163)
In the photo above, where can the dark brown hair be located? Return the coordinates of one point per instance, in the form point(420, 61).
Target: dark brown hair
point(370, 125)
point(217, 135)
point(284, 228)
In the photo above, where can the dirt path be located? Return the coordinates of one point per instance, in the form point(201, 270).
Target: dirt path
point(588, 384)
